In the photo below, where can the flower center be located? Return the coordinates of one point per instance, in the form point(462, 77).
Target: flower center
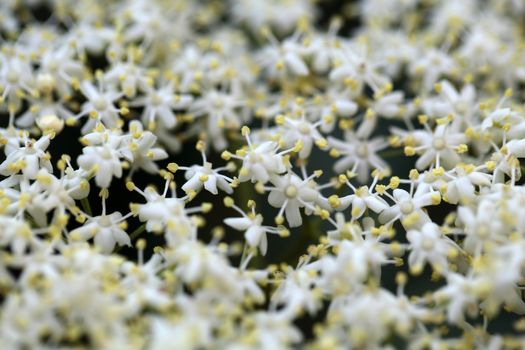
point(53, 66)
point(106, 153)
point(255, 157)
point(104, 221)
point(427, 243)
point(100, 104)
point(218, 102)
point(362, 151)
point(461, 107)
point(291, 191)
point(483, 232)
point(12, 77)
point(304, 128)
point(155, 99)
point(406, 207)
point(439, 143)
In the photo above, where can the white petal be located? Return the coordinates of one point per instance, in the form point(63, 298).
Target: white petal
point(240, 224)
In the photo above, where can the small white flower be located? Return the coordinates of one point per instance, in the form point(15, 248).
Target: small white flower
point(159, 104)
point(303, 131)
point(254, 231)
point(99, 106)
point(204, 175)
point(429, 245)
point(138, 148)
point(105, 230)
point(292, 193)
point(28, 159)
point(359, 155)
point(104, 160)
point(410, 205)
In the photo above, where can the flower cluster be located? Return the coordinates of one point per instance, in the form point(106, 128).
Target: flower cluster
point(354, 186)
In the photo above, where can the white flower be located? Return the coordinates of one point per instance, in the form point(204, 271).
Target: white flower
point(99, 106)
point(15, 77)
point(259, 162)
point(361, 200)
point(47, 115)
point(254, 231)
point(284, 58)
point(16, 234)
point(432, 64)
point(356, 66)
point(127, 77)
point(359, 155)
point(461, 294)
point(204, 175)
point(303, 131)
point(292, 193)
point(59, 69)
point(104, 160)
point(166, 214)
point(461, 186)
point(361, 253)
point(438, 147)
point(27, 159)
point(429, 245)
point(481, 225)
point(159, 105)
point(410, 206)
point(461, 104)
point(138, 149)
point(389, 105)
point(298, 292)
point(105, 230)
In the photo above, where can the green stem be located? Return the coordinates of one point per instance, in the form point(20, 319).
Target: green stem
point(86, 206)
point(137, 232)
point(133, 235)
point(391, 153)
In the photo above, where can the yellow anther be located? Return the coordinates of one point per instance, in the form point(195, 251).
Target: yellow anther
point(130, 186)
point(141, 244)
point(394, 182)
point(173, 167)
point(436, 198)
point(298, 146)
point(321, 143)
point(334, 201)
point(409, 151)
point(206, 207)
point(381, 189)
point(462, 148)
point(279, 119)
point(228, 202)
point(226, 155)
point(413, 175)
point(334, 153)
point(422, 118)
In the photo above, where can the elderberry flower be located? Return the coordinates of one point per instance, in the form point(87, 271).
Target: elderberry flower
point(251, 224)
point(429, 245)
point(289, 193)
point(105, 229)
point(159, 105)
point(140, 151)
point(104, 161)
point(259, 162)
point(27, 159)
point(99, 106)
